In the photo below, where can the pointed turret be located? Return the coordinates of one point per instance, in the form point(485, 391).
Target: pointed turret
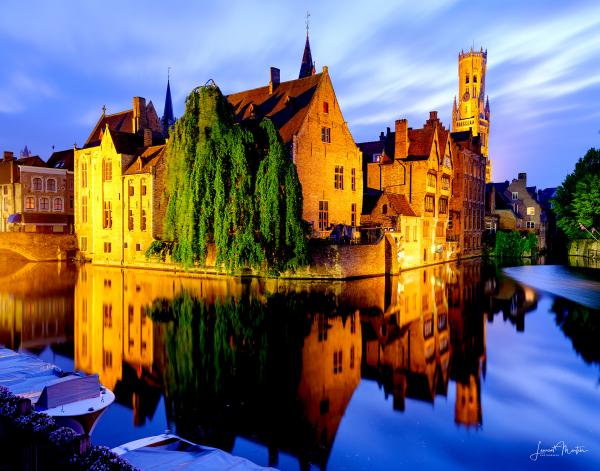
point(307, 68)
point(168, 118)
point(455, 116)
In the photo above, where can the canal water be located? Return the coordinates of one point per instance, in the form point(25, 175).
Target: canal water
point(446, 367)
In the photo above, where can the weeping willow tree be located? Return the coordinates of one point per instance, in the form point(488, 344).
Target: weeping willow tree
point(225, 189)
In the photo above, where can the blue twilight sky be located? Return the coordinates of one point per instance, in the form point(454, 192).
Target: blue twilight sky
point(61, 61)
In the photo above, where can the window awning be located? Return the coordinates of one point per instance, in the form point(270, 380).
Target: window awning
point(14, 218)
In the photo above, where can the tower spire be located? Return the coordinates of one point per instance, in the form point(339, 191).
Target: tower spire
point(307, 67)
point(168, 118)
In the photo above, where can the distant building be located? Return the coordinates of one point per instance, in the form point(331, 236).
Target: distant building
point(119, 183)
point(168, 118)
point(417, 163)
point(36, 196)
point(514, 206)
point(310, 122)
point(472, 112)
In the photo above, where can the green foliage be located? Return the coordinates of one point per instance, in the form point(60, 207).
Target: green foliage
point(577, 200)
point(226, 189)
point(511, 244)
point(159, 249)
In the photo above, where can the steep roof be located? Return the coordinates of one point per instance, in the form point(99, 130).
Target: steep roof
point(168, 118)
point(420, 142)
point(307, 67)
point(122, 122)
point(443, 140)
point(33, 161)
point(62, 159)
point(287, 106)
point(148, 159)
point(126, 143)
point(400, 204)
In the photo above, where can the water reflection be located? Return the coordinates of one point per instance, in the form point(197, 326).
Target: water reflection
point(275, 363)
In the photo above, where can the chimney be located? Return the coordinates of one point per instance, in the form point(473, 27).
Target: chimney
point(8, 156)
point(274, 82)
point(523, 177)
point(147, 137)
point(401, 141)
point(139, 114)
point(382, 136)
point(433, 115)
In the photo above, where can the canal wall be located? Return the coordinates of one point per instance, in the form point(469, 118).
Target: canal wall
point(584, 253)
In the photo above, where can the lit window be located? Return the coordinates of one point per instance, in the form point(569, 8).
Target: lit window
point(30, 202)
point(326, 134)
point(338, 177)
point(323, 215)
point(530, 211)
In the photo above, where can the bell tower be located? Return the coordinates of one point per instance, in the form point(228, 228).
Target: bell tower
point(471, 108)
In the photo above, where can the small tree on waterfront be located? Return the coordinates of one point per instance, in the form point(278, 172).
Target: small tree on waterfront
point(577, 200)
point(512, 244)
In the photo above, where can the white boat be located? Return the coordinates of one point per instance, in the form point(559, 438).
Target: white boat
point(71, 399)
point(167, 451)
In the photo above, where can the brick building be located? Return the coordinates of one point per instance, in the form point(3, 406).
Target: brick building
point(119, 182)
point(310, 122)
point(36, 196)
point(417, 163)
point(467, 205)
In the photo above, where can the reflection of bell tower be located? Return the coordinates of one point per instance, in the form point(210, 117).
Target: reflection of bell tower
point(472, 108)
point(467, 410)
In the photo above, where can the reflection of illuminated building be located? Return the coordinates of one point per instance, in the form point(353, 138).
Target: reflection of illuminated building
point(36, 306)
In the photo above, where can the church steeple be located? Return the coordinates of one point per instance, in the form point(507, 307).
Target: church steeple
point(168, 118)
point(307, 68)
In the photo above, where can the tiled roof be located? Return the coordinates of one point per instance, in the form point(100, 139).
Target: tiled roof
point(62, 159)
point(420, 142)
point(127, 143)
point(122, 121)
point(146, 160)
point(443, 139)
point(33, 161)
point(400, 204)
point(286, 106)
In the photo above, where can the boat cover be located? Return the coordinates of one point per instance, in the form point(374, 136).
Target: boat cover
point(175, 454)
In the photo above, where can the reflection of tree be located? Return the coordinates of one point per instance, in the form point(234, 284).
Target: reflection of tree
point(233, 367)
point(582, 326)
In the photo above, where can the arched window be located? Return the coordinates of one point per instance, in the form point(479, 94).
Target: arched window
point(474, 78)
point(58, 204)
point(384, 209)
point(51, 184)
point(467, 78)
point(37, 184)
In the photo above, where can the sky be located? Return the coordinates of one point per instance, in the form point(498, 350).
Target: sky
point(63, 60)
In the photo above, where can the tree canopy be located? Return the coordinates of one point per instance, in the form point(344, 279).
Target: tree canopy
point(577, 200)
point(232, 185)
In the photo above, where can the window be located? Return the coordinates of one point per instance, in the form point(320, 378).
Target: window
point(51, 184)
point(138, 247)
point(443, 209)
point(515, 195)
point(107, 247)
point(337, 362)
point(353, 179)
point(107, 220)
point(467, 78)
point(143, 220)
point(415, 233)
point(130, 220)
point(323, 215)
point(450, 220)
point(143, 187)
point(44, 204)
point(428, 328)
point(447, 162)
point(30, 202)
point(530, 224)
point(326, 134)
point(5, 204)
point(425, 228)
point(84, 209)
point(83, 244)
point(106, 170)
point(58, 204)
point(84, 175)
point(107, 359)
point(445, 182)
point(353, 215)
point(37, 184)
point(407, 231)
point(338, 177)
point(429, 203)
point(384, 209)
point(325, 107)
point(530, 211)
point(107, 315)
point(5, 189)
point(130, 190)
point(431, 180)
point(352, 357)
point(439, 229)
point(474, 78)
